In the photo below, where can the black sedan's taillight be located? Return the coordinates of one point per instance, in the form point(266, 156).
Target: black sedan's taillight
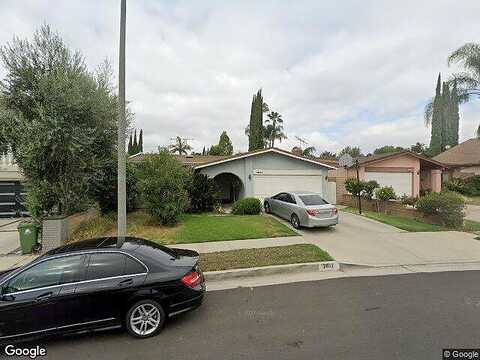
point(192, 279)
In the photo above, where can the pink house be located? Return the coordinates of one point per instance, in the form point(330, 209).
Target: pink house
point(407, 172)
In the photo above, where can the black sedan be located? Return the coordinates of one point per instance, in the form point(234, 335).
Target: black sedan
point(99, 283)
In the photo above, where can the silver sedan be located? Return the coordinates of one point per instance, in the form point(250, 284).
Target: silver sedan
point(302, 209)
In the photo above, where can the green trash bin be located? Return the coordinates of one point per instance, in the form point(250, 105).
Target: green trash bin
point(28, 236)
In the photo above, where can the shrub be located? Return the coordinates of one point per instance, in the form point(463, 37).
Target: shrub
point(408, 200)
point(162, 181)
point(447, 205)
point(354, 186)
point(472, 186)
point(202, 192)
point(103, 188)
point(247, 206)
point(369, 188)
point(469, 186)
point(385, 193)
point(456, 184)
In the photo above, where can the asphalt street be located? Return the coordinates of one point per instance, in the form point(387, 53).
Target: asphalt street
point(388, 317)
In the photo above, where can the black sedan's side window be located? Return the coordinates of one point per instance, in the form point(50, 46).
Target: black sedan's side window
point(133, 266)
point(49, 273)
point(104, 265)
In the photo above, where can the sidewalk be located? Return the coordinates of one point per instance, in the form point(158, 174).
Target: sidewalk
point(9, 241)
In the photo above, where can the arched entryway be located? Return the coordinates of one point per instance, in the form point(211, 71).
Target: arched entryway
point(230, 187)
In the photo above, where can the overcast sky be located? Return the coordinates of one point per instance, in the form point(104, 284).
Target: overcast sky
point(340, 72)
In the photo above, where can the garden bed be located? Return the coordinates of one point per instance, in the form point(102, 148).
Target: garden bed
point(248, 258)
point(191, 229)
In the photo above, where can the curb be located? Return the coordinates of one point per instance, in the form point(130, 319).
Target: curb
point(272, 270)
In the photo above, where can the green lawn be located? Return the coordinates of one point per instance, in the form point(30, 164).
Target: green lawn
point(246, 258)
point(399, 222)
point(191, 229)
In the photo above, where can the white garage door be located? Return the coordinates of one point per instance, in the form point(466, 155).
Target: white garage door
point(265, 185)
point(401, 182)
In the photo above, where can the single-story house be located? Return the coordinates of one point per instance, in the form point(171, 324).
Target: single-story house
point(266, 172)
point(407, 172)
point(462, 160)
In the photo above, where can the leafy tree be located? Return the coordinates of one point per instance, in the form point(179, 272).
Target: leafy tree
point(225, 144)
point(388, 149)
point(274, 128)
point(255, 131)
point(104, 187)
point(162, 181)
point(307, 152)
point(353, 151)
point(328, 155)
point(181, 146)
point(59, 119)
point(418, 148)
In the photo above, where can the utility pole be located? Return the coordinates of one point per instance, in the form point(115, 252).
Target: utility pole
point(122, 159)
point(358, 182)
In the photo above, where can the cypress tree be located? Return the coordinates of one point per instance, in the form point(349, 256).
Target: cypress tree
point(135, 143)
point(140, 141)
point(203, 151)
point(252, 129)
point(129, 148)
point(437, 120)
point(259, 120)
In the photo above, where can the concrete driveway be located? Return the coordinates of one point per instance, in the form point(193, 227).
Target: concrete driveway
point(358, 240)
point(473, 212)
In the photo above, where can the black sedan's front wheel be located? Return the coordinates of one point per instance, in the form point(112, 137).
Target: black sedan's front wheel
point(145, 318)
point(295, 221)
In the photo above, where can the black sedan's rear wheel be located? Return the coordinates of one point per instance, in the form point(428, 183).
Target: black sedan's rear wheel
point(145, 318)
point(295, 221)
point(267, 208)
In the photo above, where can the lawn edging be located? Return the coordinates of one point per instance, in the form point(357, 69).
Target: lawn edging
point(272, 270)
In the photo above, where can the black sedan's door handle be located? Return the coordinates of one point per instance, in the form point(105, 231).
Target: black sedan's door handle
point(126, 282)
point(45, 296)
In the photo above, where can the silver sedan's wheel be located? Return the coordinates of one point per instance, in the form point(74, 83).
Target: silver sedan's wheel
point(145, 319)
point(268, 210)
point(295, 221)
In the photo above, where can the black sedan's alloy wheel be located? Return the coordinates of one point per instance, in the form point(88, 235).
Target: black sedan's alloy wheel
point(295, 221)
point(145, 318)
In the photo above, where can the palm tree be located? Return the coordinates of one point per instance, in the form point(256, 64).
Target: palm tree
point(181, 146)
point(468, 81)
point(274, 128)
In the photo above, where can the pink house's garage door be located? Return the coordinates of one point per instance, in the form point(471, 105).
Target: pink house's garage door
point(400, 181)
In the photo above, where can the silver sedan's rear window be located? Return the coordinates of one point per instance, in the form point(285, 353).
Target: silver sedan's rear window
point(312, 200)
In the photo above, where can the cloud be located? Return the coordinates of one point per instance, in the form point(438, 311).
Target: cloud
point(348, 73)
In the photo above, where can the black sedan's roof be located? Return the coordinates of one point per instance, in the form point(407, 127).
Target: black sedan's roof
point(127, 244)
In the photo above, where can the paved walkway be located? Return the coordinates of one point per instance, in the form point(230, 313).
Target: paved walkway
point(473, 212)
